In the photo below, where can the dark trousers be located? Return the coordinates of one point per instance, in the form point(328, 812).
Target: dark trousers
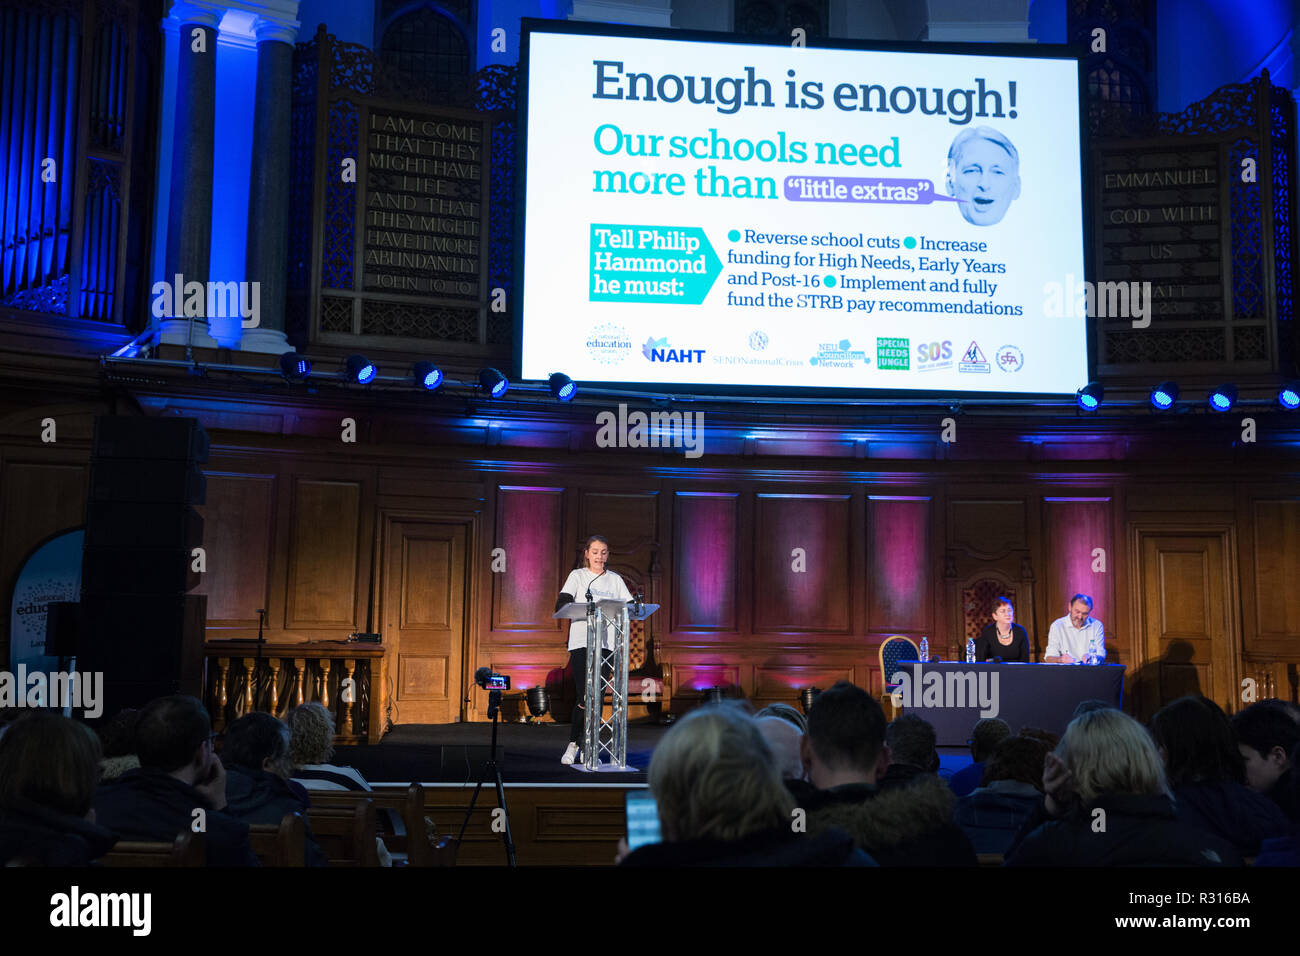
point(578, 662)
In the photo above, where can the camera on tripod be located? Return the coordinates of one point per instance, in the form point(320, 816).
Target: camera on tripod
point(489, 680)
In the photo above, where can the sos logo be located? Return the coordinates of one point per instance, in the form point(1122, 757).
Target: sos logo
point(934, 351)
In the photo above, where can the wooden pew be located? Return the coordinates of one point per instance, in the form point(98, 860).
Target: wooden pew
point(188, 849)
point(280, 844)
point(401, 815)
point(346, 834)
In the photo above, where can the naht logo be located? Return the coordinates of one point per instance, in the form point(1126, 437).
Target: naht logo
point(77, 909)
point(657, 350)
point(211, 300)
point(656, 430)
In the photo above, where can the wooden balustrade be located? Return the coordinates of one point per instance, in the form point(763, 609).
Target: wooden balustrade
point(293, 674)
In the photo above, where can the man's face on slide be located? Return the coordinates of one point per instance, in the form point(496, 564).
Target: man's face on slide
point(987, 178)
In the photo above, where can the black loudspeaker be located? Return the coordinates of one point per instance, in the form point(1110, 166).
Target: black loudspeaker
point(140, 628)
point(155, 439)
point(62, 628)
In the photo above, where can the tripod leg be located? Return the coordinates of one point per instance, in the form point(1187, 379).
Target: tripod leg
point(505, 814)
point(472, 800)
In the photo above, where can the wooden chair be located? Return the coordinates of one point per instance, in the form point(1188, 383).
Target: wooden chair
point(399, 815)
point(188, 849)
point(892, 650)
point(280, 844)
point(346, 834)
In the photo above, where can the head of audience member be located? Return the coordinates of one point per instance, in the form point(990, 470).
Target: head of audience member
point(911, 741)
point(714, 778)
point(845, 742)
point(1288, 708)
point(987, 733)
point(258, 741)
point(1087, 706)
point(174, 735)
point(782, 739)
point(1266, 737)
point(1107, 751)
point(51, 761)
point(311, 734)
point(785, 712)
point(117, 736)
point(1195, 739)
point(1049, 739)
point(1016, 758)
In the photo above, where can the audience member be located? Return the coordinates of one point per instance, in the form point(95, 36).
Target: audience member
point(1266, 737)
point(987, 733)
point(1206, 774)
point(785, 712)
point(1087, 706)
point(912, 751)
point(1107, 770)
point(993, 814)
point(49, 766)
point(844, 755)
point(258, 788)
point(721, 801)
point(178, 775)
point(783, 740)
point(311, 745)
point(117, 739)
point(1049, 739)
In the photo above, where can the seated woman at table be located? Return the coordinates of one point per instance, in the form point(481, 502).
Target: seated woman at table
point(1003, 638)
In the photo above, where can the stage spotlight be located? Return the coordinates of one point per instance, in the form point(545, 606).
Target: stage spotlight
point(1288, 396)
point(493, 382)
point(1164, 395)
point(1222, 399)
point(295, 367)
point(427, 375)
point(538, 704)
point(1089, 397)
point(360, 369)
point(562, 387)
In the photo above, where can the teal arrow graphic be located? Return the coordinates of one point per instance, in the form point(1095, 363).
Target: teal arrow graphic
point(673, 265)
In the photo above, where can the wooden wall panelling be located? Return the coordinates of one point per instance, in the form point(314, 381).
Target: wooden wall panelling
point(817, 599)
point(529, 527)
point(238, 541)
point(1074, 526)
point(900, 573)
point(1271, 578)
point(707, 564)
point(324, 554)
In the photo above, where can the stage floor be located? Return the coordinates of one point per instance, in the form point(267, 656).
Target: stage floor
point(527, 754)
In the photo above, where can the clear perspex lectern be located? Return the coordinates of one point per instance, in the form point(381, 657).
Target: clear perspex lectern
point(606, 617)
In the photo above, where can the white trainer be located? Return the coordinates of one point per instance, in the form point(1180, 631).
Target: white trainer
point(570, 755)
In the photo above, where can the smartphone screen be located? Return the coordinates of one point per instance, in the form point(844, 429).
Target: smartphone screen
point(642, 819)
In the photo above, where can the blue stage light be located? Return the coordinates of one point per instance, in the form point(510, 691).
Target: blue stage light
point(427, 375)
point(1089, 397)
point(1164, 395)
point(493, 382)
point(1288, 396)
point(295, 367)
point(1222, 399)
point(562, 387)
point(360, 369)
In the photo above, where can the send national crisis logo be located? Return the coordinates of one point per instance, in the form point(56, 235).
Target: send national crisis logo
point(1010, 358)
point(657, 350)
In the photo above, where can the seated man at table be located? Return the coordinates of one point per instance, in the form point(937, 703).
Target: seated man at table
point(1071, 637)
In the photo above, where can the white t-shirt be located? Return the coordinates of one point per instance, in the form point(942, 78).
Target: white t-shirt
point(607, 586)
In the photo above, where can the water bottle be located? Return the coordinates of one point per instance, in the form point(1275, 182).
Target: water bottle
point(925, 649)
point(1092, 648)
point(970, 650)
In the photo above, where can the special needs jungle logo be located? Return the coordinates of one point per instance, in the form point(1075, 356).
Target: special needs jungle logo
point(893, 354)
point(658, 350)
point(838, 355)
point(608, 344)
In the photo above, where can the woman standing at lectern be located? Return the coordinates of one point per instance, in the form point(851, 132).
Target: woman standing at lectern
point(603, 585)
point(1003, 638)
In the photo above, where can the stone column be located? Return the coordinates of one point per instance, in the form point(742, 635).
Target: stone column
point(189, 216)
point(267, 250)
